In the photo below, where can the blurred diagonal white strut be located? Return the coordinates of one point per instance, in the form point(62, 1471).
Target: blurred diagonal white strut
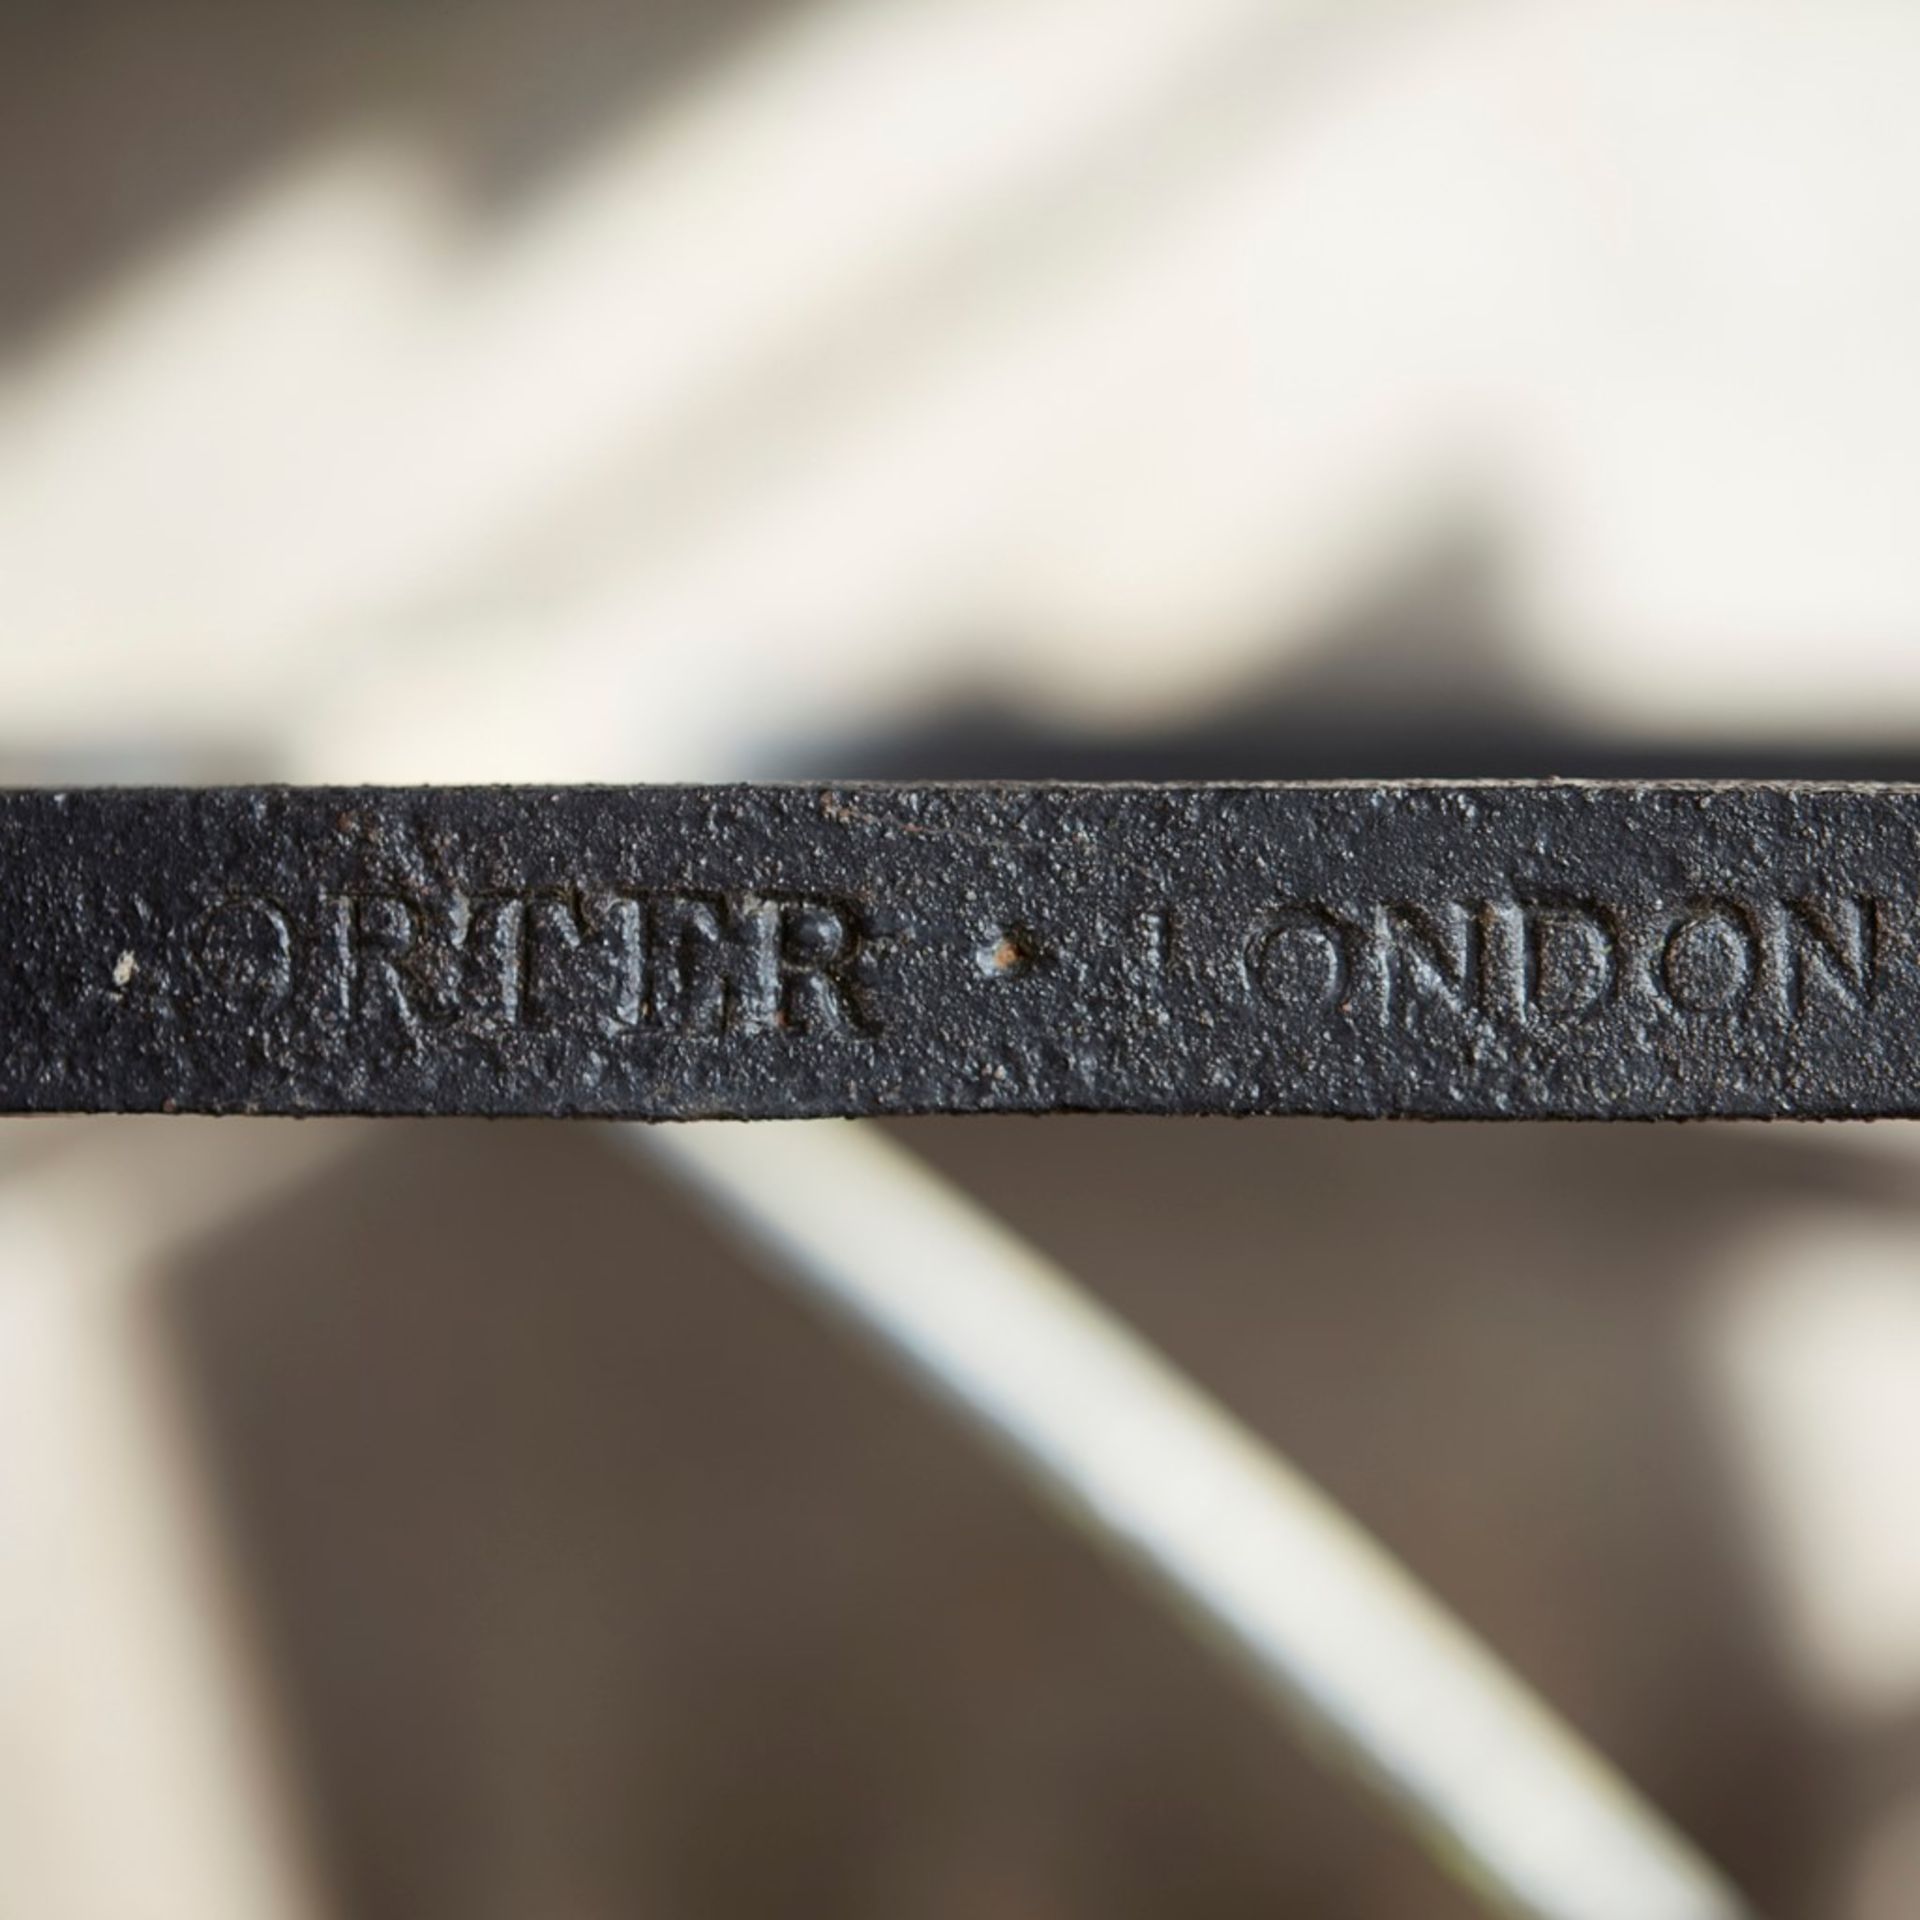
point(1332, 1631)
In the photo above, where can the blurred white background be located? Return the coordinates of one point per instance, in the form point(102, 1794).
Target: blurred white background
point(494, 390)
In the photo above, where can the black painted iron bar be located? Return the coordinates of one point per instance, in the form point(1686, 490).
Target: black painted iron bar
point(1447, 950)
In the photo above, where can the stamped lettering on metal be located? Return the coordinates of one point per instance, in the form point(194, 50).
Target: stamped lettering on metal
point(1477, 951)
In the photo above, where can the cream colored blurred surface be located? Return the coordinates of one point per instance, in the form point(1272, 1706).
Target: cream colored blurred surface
point(570, 393)
point(1092, 351)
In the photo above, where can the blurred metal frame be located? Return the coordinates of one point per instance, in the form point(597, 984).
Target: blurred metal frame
point(1315, 1617)
point(1317, 1620)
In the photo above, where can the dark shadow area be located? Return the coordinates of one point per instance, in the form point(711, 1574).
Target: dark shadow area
point(1424, 684)
point(122, 124)
point(597, 1579)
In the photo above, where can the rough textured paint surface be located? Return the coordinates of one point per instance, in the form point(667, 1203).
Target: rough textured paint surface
point(1474, 951)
